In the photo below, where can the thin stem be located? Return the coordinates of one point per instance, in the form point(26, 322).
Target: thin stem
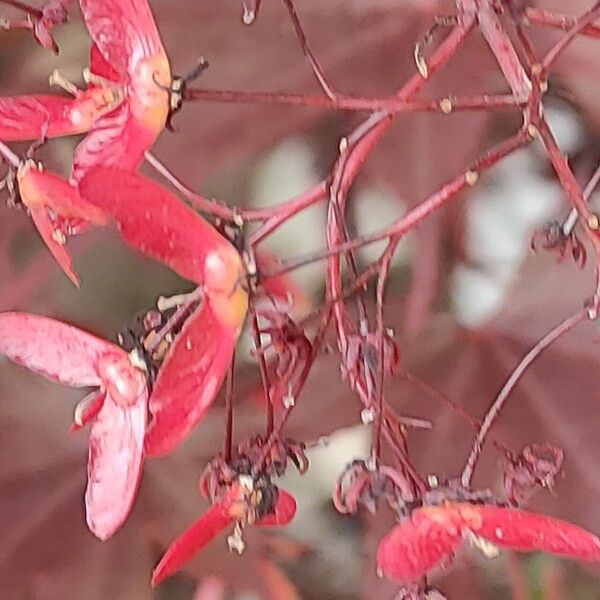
point(393, 105)
point(317, 344)
point(30, 10)
point(229, 392)
point(502, 47)
point(386, 264)
point(283, 212)
point(264, 371)
point(314, 63)
point(198, 201)
point(415, 216)
point(571, 220)
point(546, 18)
point(272, 216)
point(9, 156)
point(494, 411)
point(580, 24)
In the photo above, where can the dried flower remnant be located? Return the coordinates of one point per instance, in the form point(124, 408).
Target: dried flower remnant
point(554, 237)
point(535, 467)
point(41, 21)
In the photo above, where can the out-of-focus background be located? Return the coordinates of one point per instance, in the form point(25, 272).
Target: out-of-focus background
point(467, 300)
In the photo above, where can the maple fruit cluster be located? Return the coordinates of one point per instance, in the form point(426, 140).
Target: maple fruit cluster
point(153, 388)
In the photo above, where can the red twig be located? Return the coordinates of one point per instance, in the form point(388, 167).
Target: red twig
point(494, 411)
point(391, 105)
point(546, 18)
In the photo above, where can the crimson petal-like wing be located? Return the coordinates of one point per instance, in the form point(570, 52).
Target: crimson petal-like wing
point(56, 350)
point(189, 379)
point(284, 511)
point(152, 220)
point(123, 30)
point(40, 187)
point(116, 140)
point(192, 540)
point(525, 532)
point(210, 524)
point(31, 117)
point(114, 464)
point(418, 544)
point(46, 229)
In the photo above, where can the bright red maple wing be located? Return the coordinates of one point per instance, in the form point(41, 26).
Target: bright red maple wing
point(152, 220)
point(39, 186)
point(284, 511)
point(525, 532)
point(56, 350)
point(123, 30)
point(115, 140)
point(189, 379)
point(47, 230)
point(192, 540)
point(418, 544)
point(99, 66)
point(31, 117)
point(114, 464)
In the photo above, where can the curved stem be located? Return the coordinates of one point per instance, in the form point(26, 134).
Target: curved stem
point(498, 404)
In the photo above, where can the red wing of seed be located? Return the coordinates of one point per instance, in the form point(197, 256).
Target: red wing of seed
point(525, 532)
point(114, 464)
point(56, 350)
point(47, 230)
point(43, 191)
point(32, 117)
point(42, 187)
point(192, 540)
point(123, 30)
point(152, 220)
point(116, 140)
point(189, 379)
point(418, 544)
point(210, 524)
point(284, 511)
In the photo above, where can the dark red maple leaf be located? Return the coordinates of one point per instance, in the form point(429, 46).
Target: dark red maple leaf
point(432, 534)
point(243, 503)
point(68, 355)
point(156, 223)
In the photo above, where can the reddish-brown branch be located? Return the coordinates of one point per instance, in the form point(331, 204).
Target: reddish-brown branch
point(494, 411)
point(229, 392)
point(312, 60)
point(264, 371)
point(30, 10)
point(546, 18)
point(415, 216)
point(391, 105)
point(384, 271)
point(580, 24)
point(9, 156)
point(272, 216)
